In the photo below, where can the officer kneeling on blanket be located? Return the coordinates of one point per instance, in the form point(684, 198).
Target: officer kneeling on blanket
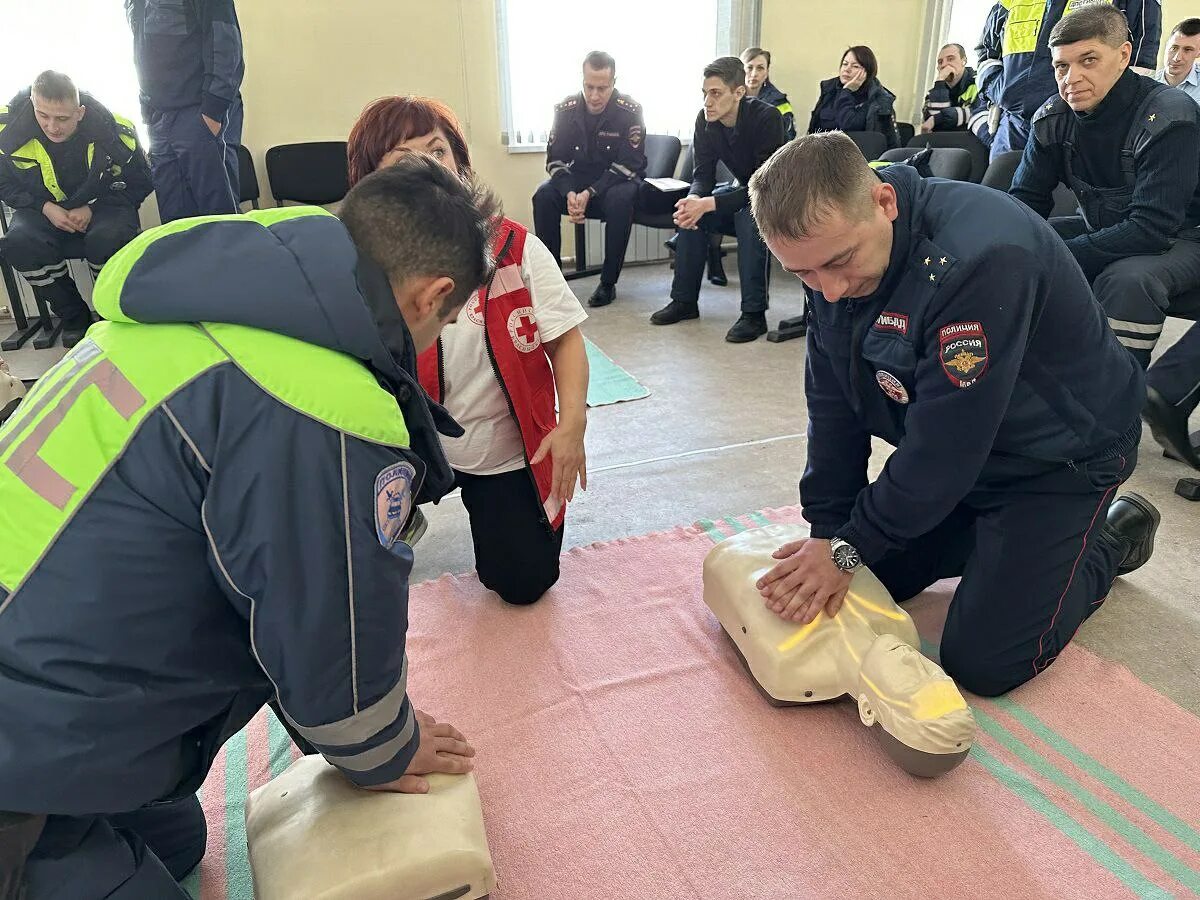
point(207, 506)
point(952, 322)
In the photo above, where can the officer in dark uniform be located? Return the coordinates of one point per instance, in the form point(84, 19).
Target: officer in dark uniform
point(596, 157)
point(75, 176)
point(1129, 147)
point(951, 322)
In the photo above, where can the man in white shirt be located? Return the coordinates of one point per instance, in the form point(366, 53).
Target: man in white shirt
point(1180, 69)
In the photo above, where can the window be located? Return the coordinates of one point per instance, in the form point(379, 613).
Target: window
point(966, 24)
point(95, 48)
point(661, 48)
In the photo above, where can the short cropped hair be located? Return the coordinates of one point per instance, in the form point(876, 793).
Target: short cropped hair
point(55, 86)
point(751, 52)
point(729, 69)
point(417, 218)
point(807, 180)
point(390, 121)
point(1188, 27)
point(962, 51)
point(1102, 22)
point(598, 60)
point(866, 58)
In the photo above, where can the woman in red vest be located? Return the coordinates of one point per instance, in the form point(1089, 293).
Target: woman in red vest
point(497, 370)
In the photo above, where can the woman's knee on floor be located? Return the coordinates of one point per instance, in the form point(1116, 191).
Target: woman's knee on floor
point(522, 589)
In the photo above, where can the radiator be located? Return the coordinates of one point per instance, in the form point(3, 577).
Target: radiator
point(645, 244)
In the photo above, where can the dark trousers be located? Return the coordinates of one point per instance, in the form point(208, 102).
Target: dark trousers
point(39, 252)
point(1176, 375)
point(615, 207)
point(195, 173)
point(141, 855)
point(1139, 292)
point(516, 555)
point(1034, 564)
point(691, 255)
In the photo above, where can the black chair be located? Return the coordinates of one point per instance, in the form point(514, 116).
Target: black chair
point(906, 131)
point(662, 154)
point(962, 140)
point(871, 143)
point(1000, 171)
point(247, 178)
point(945, 162)
point(314, 173)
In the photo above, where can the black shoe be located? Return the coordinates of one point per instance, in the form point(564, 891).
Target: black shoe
point(716, 271)
point(1132, 523)
point(603, 295)
point(74, 329)
point(749, 327)
point(675, 311)
point(1169, 427)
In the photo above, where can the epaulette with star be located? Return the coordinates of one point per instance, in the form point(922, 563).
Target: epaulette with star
point(570, 103)
point(629, 103)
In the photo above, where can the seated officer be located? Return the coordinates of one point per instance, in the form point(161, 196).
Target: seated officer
point(953, 102)
point(1129, 147)
point(75, 176)
point(259, 472)
point(759, 85)
point(950, 322)
point(595, 158)
point(742, 133)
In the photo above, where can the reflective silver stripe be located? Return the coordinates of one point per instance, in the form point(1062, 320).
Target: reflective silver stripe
point(45, 270)
point(556, 167)
point(363, 725)
point(187, 439)
point(622, 170)
point(962, 115)
point(1135, 327)
point(986, 66)
point(940, 105)
point(83, 354)
point(377, 756)
point(1137, 343)
point(349, 579)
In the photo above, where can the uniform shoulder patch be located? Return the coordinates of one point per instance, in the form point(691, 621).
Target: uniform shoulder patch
point(569, 103)
point(1055, 106)
point(931, 263)
point(629, 103)
point(393, 501)
point(964, 352)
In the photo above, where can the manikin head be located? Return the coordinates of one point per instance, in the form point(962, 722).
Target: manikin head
point(599, 81)
point(1090, 50)
point(56, 106)
point(1182, 49)
point(825, 215)
point(431, 233)
point(724, 88)
point(758, 69)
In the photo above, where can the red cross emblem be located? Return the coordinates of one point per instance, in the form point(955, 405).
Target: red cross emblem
point(475, 310)
point(522, 328)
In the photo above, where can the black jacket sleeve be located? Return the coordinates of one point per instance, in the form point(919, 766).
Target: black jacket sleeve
point(704, 171)
point(835, 470)
point(291, 520)
point(1038, 174)
point(223, 64)
point(15, 192)
point(1166, 182)
point(1145, 30)
point(560, 155)
point(950, 429)
point(989, 73)
point(630, 164)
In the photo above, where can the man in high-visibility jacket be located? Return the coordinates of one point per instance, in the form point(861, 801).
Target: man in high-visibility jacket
point(1014, 70)
point(208, 505)
point(74, 175)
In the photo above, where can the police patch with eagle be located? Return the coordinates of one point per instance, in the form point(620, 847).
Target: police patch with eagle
point(964, 353)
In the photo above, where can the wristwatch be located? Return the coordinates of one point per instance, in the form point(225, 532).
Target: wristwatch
point(844, 555)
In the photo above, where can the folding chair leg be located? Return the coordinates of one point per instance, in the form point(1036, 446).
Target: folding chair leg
point(17, 339)
point(795, 327)
point(25, 329)
point(580, 248)
point(50, 325)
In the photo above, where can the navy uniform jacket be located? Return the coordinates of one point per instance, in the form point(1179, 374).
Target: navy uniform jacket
point(983, 343)
point(229, 556)
point(617, 154)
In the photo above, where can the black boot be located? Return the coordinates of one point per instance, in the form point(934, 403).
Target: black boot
point(1169, 425)
point(63, 298)
point(716, 269)
point(75, 328)
point(675, 311)
point(749, 327)
point(603, 295)
point(1132, 523)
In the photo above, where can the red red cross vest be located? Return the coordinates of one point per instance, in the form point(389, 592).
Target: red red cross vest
point(515, 349)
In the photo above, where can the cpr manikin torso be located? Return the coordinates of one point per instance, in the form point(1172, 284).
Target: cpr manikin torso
point(867, 651)
point(313, 834)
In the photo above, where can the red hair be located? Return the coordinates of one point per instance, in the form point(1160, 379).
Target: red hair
point(389, 121)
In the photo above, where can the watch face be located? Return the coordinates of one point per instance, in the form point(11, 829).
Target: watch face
point(846, 557)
